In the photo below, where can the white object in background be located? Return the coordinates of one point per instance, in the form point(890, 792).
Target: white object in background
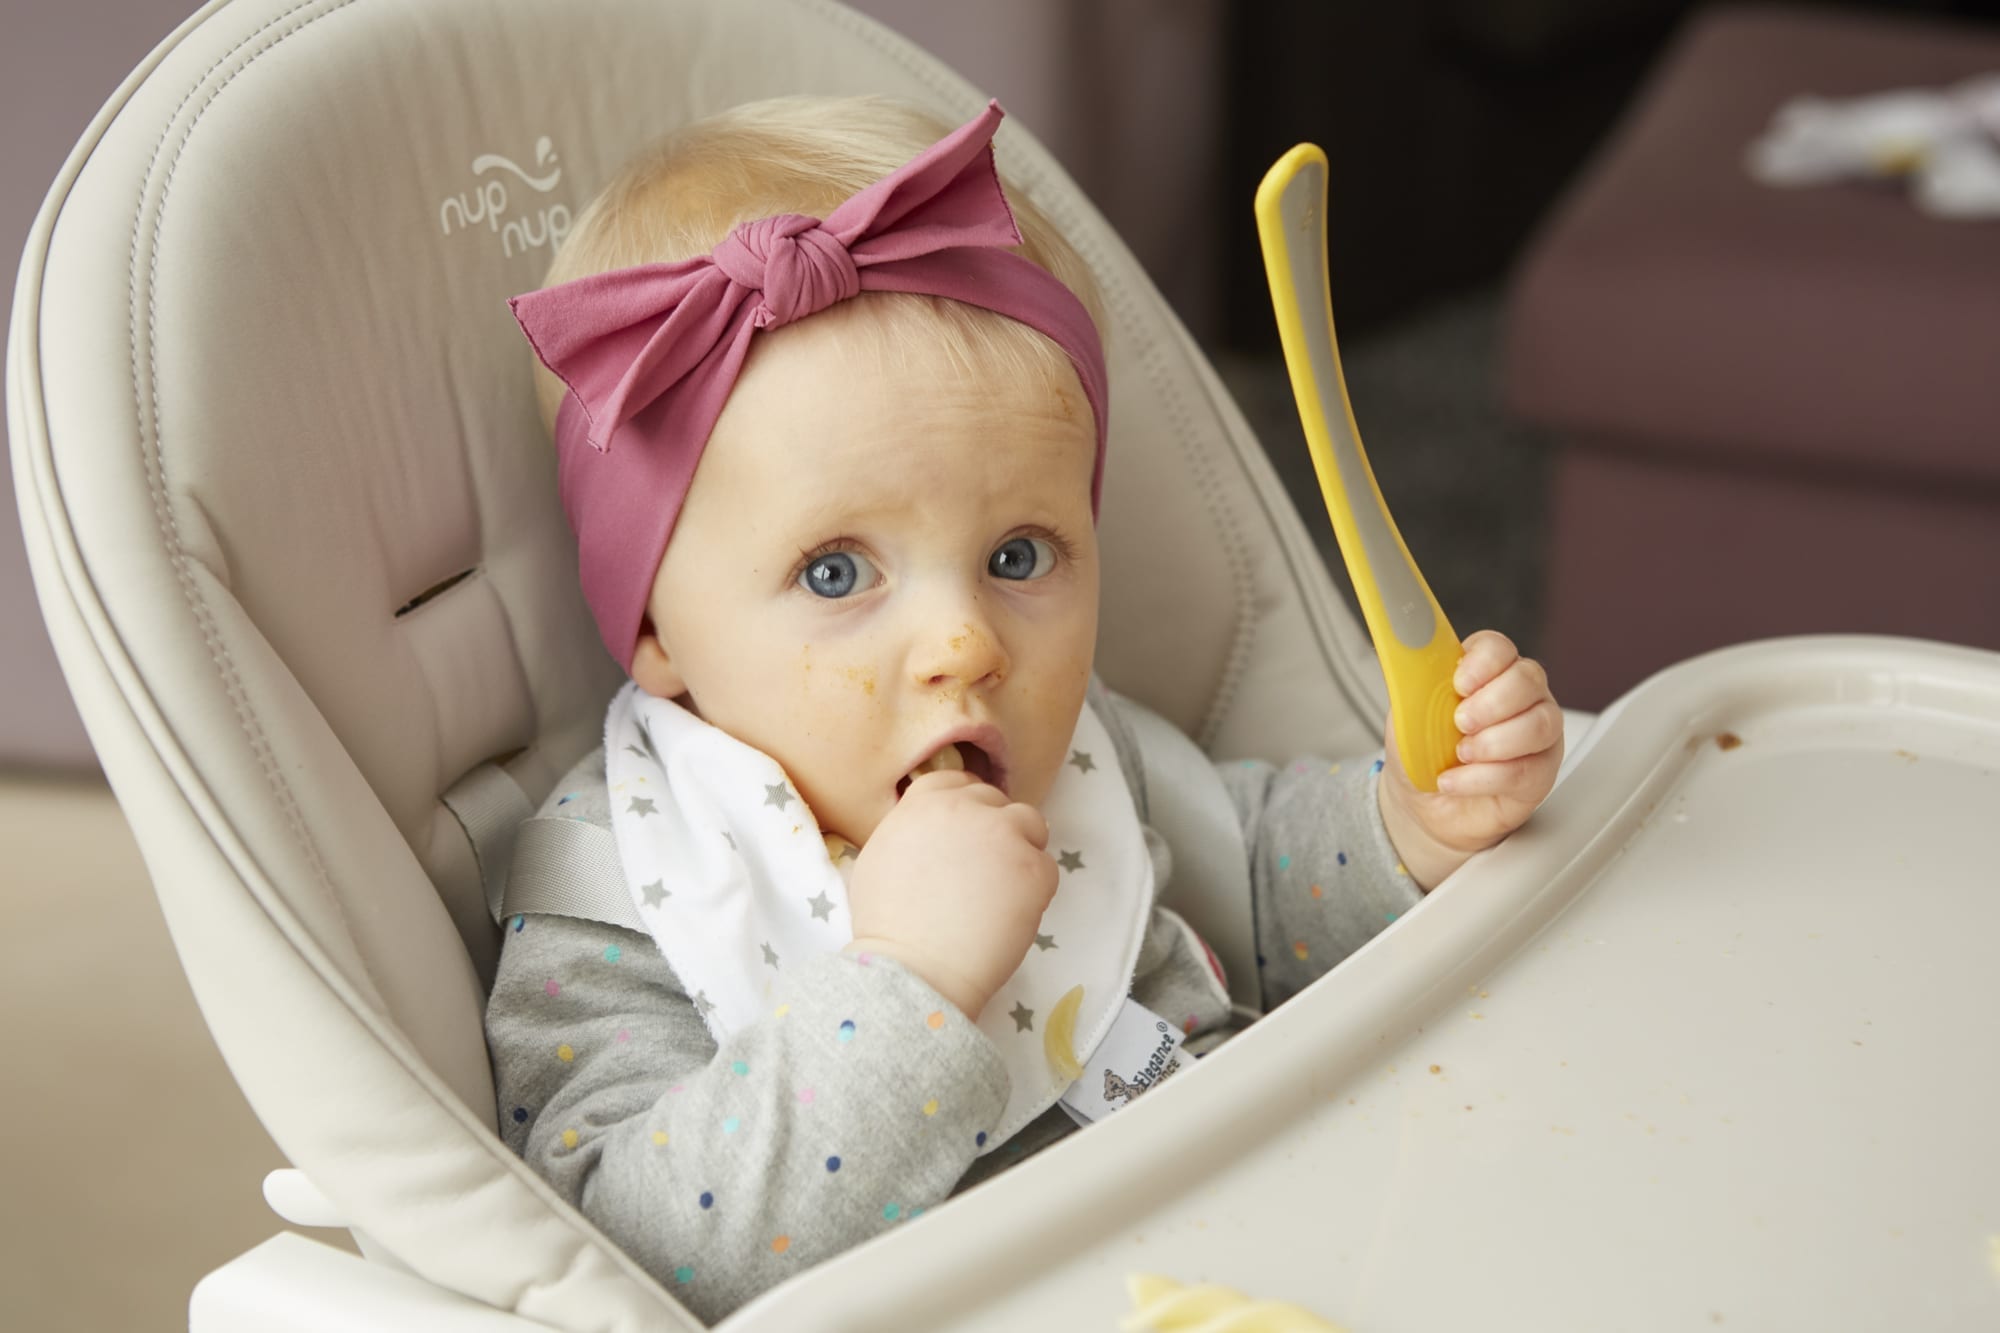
point(1946, 141)
point(1961, 179)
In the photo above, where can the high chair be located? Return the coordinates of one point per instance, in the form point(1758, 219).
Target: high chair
point(296, 535)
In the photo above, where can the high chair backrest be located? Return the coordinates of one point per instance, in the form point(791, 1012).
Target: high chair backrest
point(295, 530)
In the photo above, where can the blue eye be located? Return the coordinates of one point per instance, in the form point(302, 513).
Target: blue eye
point(838, 574)
point(1022, 558)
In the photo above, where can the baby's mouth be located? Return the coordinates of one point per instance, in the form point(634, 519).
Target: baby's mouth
point(963, 756)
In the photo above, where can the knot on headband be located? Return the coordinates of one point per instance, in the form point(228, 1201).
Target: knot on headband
point(651, 353)
point(799, 266)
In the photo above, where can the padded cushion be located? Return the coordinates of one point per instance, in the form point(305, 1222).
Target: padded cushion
point(295, 527)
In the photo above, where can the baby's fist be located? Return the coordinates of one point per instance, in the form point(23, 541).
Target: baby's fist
point(953, 885)
point(1512, 746)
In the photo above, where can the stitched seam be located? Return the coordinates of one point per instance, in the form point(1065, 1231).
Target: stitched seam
point(146, 397)
point(1152, 361)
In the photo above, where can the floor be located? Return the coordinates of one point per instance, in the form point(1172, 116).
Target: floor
point(136, 1165)
point(143, 1171)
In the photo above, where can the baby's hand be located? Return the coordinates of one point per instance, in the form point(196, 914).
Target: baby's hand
point(1512, 747)
point(953, 885)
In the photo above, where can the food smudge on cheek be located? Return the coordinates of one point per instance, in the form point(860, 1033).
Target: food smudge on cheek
point(861, 678)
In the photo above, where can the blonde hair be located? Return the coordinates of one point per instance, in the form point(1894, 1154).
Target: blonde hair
point(682, 195)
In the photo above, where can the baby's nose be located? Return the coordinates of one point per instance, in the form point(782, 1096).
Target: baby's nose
point(965, 654)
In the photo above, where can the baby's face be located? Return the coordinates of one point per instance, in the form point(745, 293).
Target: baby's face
point(881, 555)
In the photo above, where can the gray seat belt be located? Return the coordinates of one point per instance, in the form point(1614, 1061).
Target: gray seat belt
point(566, 867)
point(538, 863)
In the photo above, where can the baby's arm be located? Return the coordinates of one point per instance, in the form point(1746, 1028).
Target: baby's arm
point(1324, 877)
point(1338, 851)
point(856, 1103)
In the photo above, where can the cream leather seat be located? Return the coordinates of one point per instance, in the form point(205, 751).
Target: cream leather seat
point(297, 539)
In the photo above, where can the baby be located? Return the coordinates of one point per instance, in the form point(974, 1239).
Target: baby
point(881, 834)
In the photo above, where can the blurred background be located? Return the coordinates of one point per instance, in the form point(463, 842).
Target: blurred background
point(1599, 428)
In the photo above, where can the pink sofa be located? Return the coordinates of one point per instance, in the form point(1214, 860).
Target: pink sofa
point(1777, 411)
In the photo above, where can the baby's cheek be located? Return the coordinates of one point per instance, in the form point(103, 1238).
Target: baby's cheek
point(823, 680)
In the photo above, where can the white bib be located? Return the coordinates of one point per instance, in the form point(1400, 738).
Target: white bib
point(730, 873)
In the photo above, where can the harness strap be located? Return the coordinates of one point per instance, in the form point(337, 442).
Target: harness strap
point(566, 867)
point(489, 805)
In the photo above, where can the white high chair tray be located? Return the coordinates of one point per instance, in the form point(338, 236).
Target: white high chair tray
point(1710, 1044)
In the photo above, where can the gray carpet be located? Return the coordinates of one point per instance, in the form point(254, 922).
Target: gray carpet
point(1467, 487)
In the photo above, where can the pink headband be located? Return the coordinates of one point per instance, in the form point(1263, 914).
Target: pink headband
point(650, 353)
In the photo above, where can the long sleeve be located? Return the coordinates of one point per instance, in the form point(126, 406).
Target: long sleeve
point(855, 1104)
point(1324, 877)
point(861, 1098)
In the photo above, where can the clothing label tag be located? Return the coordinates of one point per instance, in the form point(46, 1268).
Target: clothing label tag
point(1139, 1053)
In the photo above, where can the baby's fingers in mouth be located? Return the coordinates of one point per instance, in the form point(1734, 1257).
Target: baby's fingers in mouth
point(946, 760)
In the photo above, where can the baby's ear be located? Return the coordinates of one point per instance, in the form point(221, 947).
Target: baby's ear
point(654, 670)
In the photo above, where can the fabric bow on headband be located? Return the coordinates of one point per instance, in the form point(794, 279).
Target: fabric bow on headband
point(651, 353)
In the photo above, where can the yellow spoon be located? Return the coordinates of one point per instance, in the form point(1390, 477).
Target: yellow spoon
point(1413, 639)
